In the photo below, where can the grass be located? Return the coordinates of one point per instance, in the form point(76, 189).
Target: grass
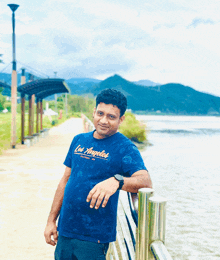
point(5, 127)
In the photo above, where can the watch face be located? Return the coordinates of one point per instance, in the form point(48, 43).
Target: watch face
point(119, 177)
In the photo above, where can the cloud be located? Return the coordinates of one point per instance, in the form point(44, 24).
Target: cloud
point(66, 45)
point(161, 40)
point(198, 21)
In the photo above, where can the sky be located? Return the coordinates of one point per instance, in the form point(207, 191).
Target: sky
point(165, 41)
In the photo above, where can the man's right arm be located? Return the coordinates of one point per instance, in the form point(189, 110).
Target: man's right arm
point(51, 227)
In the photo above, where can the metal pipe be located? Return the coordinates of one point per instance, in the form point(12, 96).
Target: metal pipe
point(13, 8)
point(157, 215)
point(159, 251)
point(142, 245)
point(157, 207)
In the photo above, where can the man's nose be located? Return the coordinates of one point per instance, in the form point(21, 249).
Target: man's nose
point(104, 120)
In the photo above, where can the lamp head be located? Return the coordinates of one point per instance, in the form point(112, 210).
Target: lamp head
point(13, 7)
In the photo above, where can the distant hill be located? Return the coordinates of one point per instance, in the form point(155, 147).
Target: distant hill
point(82, 80)
point(172, 98)
point(80, 86)
point(5, 77)
point(146, 82)
point(169, 98)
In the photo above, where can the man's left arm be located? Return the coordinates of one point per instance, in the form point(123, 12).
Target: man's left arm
point(102, 191)
point(138, 180)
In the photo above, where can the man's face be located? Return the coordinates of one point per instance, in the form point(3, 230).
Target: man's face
point(106, 120)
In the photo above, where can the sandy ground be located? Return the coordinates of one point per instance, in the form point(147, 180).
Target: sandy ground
point(28, 180)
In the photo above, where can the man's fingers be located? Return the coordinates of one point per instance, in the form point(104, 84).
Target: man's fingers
point(89, 197)
point(55, 237)
point(99, 200)
point(50, 241)
point(94, 198)
point(49, 233)
point(105, 201)
point(102, 190)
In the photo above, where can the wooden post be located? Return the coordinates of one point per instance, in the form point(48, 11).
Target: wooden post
point(41, 114)
point(30, 115)
point(22, 117)
point(37, 120)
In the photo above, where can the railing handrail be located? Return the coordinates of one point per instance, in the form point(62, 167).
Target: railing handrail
point(159, 251)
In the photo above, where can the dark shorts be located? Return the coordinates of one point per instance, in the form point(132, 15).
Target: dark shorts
point(74, 249)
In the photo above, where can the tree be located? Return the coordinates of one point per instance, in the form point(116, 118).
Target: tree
point(2, 102)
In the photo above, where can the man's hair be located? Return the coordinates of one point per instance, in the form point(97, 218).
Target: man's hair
point(114, 97)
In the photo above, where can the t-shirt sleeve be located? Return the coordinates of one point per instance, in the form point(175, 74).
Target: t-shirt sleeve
point(68, 160)
point(132, 161)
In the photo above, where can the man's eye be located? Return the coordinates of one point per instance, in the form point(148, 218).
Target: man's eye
point(111, 117)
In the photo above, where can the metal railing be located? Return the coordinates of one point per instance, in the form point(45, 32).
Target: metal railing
point(140, 236)
point(124, 246)
point(143, 240)
point(87, 124)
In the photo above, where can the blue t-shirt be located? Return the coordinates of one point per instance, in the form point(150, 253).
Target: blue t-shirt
point(92, 161)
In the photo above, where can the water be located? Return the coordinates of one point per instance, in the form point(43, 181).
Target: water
point(184, 164)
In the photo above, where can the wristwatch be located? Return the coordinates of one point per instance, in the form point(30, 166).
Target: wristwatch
point(119, 178)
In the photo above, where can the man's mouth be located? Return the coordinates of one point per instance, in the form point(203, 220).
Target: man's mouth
point(103, 127)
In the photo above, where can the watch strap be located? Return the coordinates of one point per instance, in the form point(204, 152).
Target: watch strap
point(119, 178)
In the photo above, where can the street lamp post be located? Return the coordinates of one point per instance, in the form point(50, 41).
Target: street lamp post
point(13, 7)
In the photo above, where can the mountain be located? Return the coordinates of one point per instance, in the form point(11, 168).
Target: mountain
point(80, 86)
point(6, 78)
point(169, 98)
point(82, 80)
point(146, 82)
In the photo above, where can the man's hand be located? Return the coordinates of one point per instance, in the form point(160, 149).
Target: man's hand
point(102, 192)
point(51, 230)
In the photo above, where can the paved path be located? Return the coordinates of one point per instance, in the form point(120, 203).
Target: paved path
point(28, 180)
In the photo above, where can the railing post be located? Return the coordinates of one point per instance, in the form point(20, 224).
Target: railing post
point(142, 245)
point(157, 215)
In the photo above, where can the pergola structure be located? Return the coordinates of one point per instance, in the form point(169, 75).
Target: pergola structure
point(36, 90)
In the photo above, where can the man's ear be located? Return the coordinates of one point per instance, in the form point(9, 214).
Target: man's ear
point(122, 118)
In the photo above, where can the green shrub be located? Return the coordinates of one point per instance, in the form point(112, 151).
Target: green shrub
point(54, 122)
point(7, 105)
point(133, 129)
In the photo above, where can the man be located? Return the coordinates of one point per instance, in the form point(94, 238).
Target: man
point(98, 165)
